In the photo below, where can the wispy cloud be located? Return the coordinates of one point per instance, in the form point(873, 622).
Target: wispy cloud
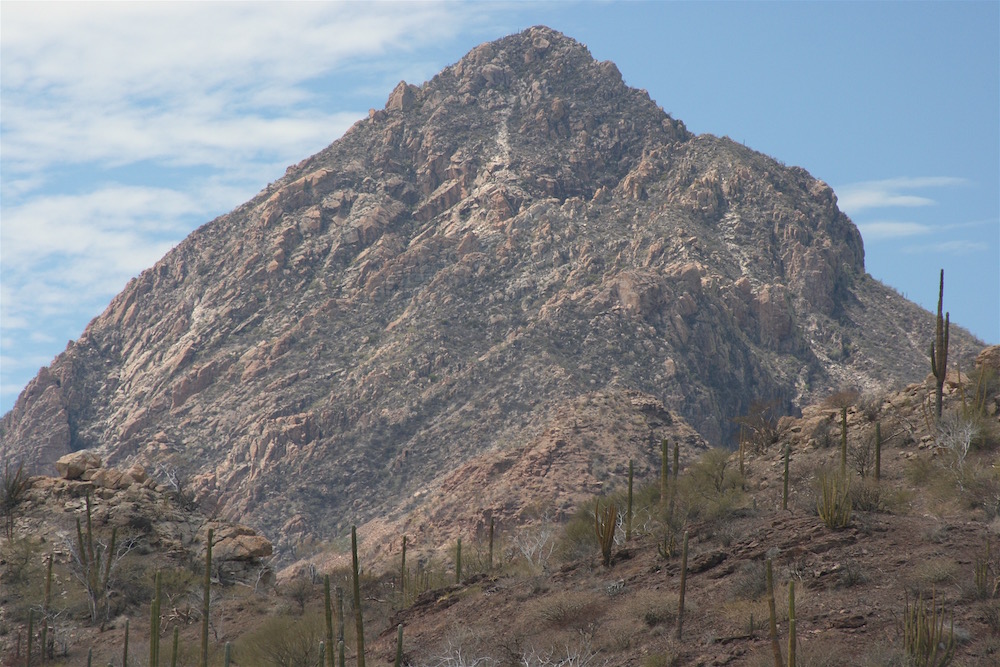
point(885, 229)
point(126, 125)
point(188, 83)
point(892, 192)
point(953, 247)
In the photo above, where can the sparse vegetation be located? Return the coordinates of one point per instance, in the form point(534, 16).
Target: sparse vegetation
point(926, 641)
point(834, 502)
point(617, 610)
point(14, 484)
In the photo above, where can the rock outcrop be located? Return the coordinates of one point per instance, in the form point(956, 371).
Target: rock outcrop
point(521, 231)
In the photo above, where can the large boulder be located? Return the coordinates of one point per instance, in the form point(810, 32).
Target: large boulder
point(75, 464)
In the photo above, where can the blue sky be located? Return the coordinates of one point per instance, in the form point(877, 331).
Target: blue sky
point(125, 126)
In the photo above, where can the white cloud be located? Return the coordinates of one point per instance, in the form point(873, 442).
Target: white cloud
point(188, 83)
point(954, 247)
point(885, 229)
point(892, 192)
point(126, 125)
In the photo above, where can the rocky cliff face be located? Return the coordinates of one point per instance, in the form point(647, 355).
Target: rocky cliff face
point(520, 233)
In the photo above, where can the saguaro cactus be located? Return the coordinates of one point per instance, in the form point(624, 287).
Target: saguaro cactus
point(359, 621)
point(604, 528)
point(492, 527)
point(628, 511)
point(206, 599)
point(31, 632)
point(328, 608)
point(399, 646)
point(664, 470)
point(775, 646)
point(878, 451)
point(843, 441)
point(154, 625)
point(680, 602)
point(45, 609)
point(125, 647)
point(402, 576)
point(784, 487)
point(939, 351)
point(791, 624)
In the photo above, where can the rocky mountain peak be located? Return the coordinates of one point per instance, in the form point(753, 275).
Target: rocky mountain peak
point(521, 238)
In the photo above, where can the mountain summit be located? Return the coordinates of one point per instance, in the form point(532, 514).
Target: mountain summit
point(515, 276)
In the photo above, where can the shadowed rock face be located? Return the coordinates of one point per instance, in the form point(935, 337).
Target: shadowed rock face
point(452, 277)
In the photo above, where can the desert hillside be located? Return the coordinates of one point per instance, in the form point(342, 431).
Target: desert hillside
point(519, 240)
point(910, 522)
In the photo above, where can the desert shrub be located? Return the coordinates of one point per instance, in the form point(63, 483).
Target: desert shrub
point(931, 574)
point(299, 590)
point(617, 631)
point(566, 609)
point(867, 495)
point(661, 659)
point(179, 586)
point(861, 454)
point(134, 583)
point(759, 427)
point(19, 560)
point(283, 641)
point(577, 540)
point(711, 490)
point(20, 571)
point(750, 617)
point(14, 485)
point(843, 398)
point(574, 654)
point(979, 487)
point(653, 607)
point(955, 434)
point(535, 542)
point(827, 433)
point(870, 404)
point(749, 581)
point(991, 616)
point(456, 657)
point(922, 471)
point(851, 574)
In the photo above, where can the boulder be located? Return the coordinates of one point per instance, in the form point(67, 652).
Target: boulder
point(74, 465)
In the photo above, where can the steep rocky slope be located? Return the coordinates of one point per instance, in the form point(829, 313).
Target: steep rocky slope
point(927, 527)
point(519, 233)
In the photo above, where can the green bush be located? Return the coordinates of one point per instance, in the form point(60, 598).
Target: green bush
point(283, 641)
point(711, 490)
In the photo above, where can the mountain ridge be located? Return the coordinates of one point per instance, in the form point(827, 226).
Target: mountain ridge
point(520, 231)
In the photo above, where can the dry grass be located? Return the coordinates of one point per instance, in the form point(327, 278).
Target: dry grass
point(565, 609)
point(653, 607)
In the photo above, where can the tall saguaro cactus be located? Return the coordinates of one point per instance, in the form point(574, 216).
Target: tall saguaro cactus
point(664, 471)
point(939, 352)
point(207, 599)
point(359, 621)
point(775, 647)
point(154, 624)
point(45, 609)
point(628, 511)
point(328, 608)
